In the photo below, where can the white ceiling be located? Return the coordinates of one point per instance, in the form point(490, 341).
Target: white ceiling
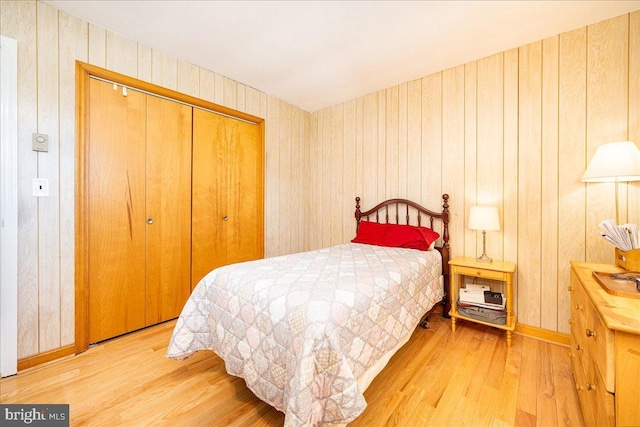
point(314, 54)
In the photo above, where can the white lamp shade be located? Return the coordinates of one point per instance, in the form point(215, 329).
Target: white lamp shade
point(615, 161)
point(484, 218)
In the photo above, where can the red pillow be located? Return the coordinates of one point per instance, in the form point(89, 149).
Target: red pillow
point(395, 235)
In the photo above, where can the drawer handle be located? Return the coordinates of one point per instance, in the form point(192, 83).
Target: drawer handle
point(578, 307)
point(590, 333)
point(578, 347)
point(570, 354)
point(579, 387)
point(570, 321)
point(570, 288)
point(591, 386)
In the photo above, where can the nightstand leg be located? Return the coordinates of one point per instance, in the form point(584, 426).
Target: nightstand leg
point(508, 338)
point(453, 324)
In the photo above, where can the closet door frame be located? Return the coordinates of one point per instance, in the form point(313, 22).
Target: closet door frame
point(84, 72)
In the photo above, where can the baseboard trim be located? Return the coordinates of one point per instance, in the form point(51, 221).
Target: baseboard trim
point(543, 334)
point(47, 356)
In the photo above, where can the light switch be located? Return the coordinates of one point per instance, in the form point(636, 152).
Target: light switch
point(40, 187)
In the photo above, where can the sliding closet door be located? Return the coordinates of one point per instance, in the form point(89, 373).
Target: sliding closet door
point(244, 192)
point(168, 209)
point(209, 195)
point(227, 201)
point(116, 210)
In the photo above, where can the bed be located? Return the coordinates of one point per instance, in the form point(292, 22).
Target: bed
point(308, 332)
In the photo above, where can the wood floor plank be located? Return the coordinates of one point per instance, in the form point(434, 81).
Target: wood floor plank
point(438, 378)
point(527, 391)
point(566, 397)
point(546, 410)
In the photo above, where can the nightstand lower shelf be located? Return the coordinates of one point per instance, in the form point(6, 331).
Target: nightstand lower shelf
point(509, 327)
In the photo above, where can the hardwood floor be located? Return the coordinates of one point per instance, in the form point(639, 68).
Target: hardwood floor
point(438, 378)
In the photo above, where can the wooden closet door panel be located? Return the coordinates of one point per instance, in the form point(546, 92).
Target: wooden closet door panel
point(116, 211)
point(244, 229)
point(168, 185)
point(208, 199)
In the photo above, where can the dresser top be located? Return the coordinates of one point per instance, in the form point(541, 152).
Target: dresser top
point(618, 312)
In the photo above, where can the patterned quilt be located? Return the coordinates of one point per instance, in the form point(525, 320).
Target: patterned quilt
point(301, 329)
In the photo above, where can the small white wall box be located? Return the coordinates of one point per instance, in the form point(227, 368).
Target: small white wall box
point(40, 187)
point(40, 142)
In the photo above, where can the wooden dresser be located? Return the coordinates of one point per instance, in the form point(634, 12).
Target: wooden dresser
point(605, 349)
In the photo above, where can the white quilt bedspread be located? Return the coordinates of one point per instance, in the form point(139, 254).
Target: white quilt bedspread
point(300, 329)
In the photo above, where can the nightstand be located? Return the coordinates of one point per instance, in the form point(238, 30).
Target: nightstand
point(496, 270)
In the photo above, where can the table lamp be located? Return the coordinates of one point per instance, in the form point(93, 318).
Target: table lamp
point(484, 218)
point(614, 162)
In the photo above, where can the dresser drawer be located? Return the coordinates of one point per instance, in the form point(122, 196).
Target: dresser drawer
point(599, 343)
point(600, 399)
point(578, 349)
point(597, 403)
point(578, 306)
point(487, 274)
point(580, 379)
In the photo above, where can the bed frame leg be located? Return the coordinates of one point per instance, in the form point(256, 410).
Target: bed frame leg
point(424, 324)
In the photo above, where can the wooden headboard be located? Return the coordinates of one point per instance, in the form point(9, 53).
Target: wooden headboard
point(397, 210)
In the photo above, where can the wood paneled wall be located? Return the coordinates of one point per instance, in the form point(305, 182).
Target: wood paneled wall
point(49, 43)
point(514, 130)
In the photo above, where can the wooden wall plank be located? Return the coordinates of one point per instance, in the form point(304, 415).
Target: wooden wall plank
point(188, 78)
point(510, 157)
point(324, 135)
point(284, 177)
point(271, 181)
point(470, 156)
point(607, 120)
point(19, 22)
point(144, 63)
point(49, 169)
point(314, 199)
point(164, 69)
point(207, 86)
point(414, 140)
point(336, 207)
point(392, 142)
point(241, 91)
point(402, 140)
point(295, 178)
point(121, 54)
point(381, 149)
point(73, 36)
point(370, 151)
point(432, 141)
point(572, 93)
point(453, 152)
point(529, 189)
point(633, 207)
point(490, 145)
point(252, 101)
point(549, 268)
point(230, 93)
point(359, 162)
point(219, 89)
point(305, 156)
point(349, 179)
point(97, 46)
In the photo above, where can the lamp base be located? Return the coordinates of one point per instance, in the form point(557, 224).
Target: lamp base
point(484, 258)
